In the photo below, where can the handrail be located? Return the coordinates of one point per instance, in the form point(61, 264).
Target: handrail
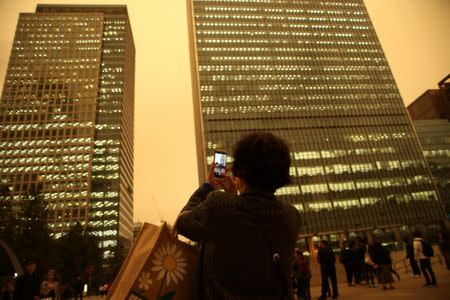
point(403, 266)
point(12, 257)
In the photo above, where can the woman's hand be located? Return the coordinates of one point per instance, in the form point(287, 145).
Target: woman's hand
point(228, 182)
point(212, 180)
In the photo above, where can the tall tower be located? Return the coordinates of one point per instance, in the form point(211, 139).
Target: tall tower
point(314, 73)
point(67, 115)
point(430, 116)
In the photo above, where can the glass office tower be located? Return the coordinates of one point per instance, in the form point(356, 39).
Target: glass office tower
point(314, 73)
point(67, 117)
point(434, 134)
point(429, 114)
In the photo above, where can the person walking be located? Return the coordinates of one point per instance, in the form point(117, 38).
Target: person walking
point(410, 256)
point(327, 261)
point(444, 243)
point(382, 264)
point(256, 260)
point(423, 251)
point(358, 252)
point(348, 260)
point(78, 287)
point(8, 291)
point(368, 266)
point(302, 275)
point(28, 285)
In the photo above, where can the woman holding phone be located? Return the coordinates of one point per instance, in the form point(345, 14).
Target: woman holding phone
point(247, 234)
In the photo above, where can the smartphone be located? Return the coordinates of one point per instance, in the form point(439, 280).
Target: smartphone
point(220, 163)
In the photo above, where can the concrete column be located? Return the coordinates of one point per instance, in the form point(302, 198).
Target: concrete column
point(423, 229)
point(342, 239)
point(312, 249)
point(398, 237)
point(369, 236)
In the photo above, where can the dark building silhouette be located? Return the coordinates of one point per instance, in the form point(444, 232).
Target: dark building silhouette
point(429, 113)
point(66, 119)
point(314, 73)
point(430, 105)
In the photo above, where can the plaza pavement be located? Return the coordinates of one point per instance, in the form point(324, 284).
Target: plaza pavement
point(407, 288)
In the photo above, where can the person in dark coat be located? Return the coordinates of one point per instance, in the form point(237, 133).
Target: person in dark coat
point(382, 263)
point(444, 243)
point(327, 261)
point(247, 238)
point(28, 285)
point(78, 287)
point(410, 256)
point(302, 275)
point(8, 291)
point(347, 258)
point(358, 252)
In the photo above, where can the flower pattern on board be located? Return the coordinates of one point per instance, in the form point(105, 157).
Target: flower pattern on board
point(169, 263)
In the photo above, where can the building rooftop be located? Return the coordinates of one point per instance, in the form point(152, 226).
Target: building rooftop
point(430, 105)
point(108, 9)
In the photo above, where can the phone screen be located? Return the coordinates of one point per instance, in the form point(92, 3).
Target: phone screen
point(220, 163)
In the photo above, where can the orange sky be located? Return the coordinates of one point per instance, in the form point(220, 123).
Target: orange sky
point(413, 34)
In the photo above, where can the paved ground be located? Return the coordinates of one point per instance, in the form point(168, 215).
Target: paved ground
point(406, 288)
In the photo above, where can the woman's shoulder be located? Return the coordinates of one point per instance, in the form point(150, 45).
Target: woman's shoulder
point(221, 198)
point(289, 208)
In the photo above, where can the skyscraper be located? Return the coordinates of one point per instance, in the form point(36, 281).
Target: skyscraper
point(430, 116)
point(314, 73)
point(67, 119)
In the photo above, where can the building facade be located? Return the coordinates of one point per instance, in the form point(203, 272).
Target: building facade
point(429, 114)
point(313, 73)
point(67, 117)
point(430, 105)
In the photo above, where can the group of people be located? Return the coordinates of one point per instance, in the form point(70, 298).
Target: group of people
point(30, 287)
point(364, 261)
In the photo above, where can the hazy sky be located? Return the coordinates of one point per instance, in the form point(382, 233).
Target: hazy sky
point(413, 34)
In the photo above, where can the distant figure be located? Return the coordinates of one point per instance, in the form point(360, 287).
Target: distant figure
point(368, 266)
point(8, 291)
point(444, 243)
point(327, 261)
point(422, 254)
point(49, 287)
point(347, 258)
point(78, 286)
point(382, 263)
point(107, 288)
point(412, 261)
point(28, 285)
point(358, 252)
point(302, 275)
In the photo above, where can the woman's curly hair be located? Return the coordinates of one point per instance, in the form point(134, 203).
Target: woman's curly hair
point(262, 160)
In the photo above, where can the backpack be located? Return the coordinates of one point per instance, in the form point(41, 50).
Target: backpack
point(427, 249)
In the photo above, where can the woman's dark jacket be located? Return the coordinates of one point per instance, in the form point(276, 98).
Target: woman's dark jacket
point(239, 235)
point(380, 255)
